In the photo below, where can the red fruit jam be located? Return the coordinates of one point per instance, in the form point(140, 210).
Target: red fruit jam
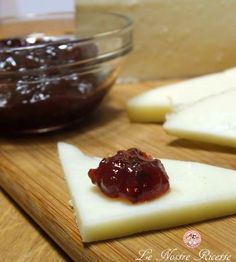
point(131, 174)
point(45, 87)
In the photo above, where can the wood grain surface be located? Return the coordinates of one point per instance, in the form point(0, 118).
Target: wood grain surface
point(31, 174)
point(21, 240)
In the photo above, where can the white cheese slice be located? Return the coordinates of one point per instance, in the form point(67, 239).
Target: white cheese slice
point(198, 192)
point(210, 120)
point(153, 105)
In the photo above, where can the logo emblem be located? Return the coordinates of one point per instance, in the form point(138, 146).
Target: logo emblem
point(192, 239)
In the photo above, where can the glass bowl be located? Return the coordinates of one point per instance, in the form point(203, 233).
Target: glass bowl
point(55, 69)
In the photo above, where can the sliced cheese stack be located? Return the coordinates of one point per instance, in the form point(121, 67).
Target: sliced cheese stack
point(153, 105)
point(175, 38)
point(211, 120)
point(197, 192)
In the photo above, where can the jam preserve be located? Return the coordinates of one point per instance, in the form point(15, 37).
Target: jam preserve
point(43, 85)
point(132, 175)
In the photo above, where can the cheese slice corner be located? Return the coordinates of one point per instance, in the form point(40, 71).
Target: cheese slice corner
point(197, 192)
point(153, 105)
point(211, 120)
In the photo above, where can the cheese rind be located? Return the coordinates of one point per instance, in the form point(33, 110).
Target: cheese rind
point(153, 105)
point(198, 192)
point(210, 120)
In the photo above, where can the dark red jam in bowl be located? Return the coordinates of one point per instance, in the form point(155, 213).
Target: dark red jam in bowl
point(44, 86)
point(131, 174)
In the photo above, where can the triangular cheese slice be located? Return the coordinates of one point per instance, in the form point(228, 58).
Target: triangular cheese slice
point(211, 120)
point(152, 106)
point(198, 192)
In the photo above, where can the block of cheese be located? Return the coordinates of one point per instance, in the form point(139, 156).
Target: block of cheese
point(175, 38)
point(152, 106)
point(197, 192)
point(212, 119)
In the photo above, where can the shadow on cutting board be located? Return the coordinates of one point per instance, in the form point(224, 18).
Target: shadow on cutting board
point(195, 145)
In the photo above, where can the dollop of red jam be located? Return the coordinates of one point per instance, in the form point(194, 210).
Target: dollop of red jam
point(131, 174)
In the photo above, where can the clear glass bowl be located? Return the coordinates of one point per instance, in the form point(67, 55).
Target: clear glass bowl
point(55, 69)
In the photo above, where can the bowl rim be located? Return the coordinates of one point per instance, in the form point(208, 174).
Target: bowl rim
point(75, 39)
point(104, 56)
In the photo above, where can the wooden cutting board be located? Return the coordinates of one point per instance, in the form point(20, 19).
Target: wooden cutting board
point(31, 173)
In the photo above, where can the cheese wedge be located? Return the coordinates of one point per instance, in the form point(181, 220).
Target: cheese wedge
point(174, 38)
point(153, 105)
point(211, 120)
point(198, 192)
